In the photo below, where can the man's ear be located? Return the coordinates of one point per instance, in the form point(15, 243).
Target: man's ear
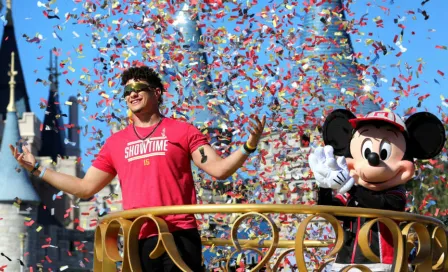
point(159, 93)
point(426, 135)
point(337, 131)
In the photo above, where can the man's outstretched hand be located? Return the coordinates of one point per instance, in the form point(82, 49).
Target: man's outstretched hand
point(256, 128)
point(25, 159)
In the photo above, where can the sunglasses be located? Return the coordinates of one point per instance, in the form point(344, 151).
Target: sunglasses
point(135, 87)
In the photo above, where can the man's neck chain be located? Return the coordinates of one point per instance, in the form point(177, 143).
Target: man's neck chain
point(144, 138)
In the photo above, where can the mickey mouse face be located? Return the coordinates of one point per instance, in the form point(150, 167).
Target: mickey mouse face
point(377, 152)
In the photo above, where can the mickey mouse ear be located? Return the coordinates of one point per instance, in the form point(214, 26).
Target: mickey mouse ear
point(337, 130)
point(427, 135)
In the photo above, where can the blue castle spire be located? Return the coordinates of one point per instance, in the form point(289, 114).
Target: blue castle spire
point(8, 45)
point(328, 76)
point(14, 181)
point(196, 80)
point(53, 134)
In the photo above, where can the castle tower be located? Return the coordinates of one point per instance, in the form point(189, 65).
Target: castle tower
point(73, 148)
point(8, 45)
point(326, 77)
point(18, 198)
point(28, 211)
point(29, 124)
point(186, 57)
point(53, 133)
point(197, 82)
point(59, 152)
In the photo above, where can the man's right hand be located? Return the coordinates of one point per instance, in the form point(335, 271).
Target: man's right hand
point(25, 159)
point(93, 181)
point(329, 172)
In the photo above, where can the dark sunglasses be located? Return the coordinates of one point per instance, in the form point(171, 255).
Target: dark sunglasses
point(135, 87)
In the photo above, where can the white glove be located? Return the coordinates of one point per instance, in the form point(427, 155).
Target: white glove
point(330, 173)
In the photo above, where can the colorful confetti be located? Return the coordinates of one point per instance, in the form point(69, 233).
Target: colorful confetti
point(279, 58)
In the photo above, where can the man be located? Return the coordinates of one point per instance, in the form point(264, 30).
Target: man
point(152, 160)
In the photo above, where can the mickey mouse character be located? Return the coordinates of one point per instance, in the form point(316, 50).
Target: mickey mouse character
point(377, 158)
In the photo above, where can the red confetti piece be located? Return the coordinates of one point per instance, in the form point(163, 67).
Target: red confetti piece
point(48, 259)
point(28, 224)
point(80, 228)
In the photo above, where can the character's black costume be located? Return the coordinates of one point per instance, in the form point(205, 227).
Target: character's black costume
point(381, 240)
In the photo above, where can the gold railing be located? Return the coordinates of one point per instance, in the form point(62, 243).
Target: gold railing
point(408, 231)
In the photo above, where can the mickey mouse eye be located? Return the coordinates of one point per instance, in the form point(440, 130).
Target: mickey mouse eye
point(385, 150)
point(366, 148)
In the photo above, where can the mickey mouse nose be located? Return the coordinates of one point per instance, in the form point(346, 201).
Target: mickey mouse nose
point(373, 159)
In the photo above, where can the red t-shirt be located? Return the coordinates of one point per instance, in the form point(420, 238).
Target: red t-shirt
point(154, 172)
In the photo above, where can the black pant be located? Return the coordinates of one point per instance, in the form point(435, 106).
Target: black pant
point(188, 244)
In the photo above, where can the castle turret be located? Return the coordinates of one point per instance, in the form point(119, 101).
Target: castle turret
point(73, 148)
point(196, 80)
point(18, 198)
point(14, 181)
point(53, 132)
point(8, 45)
point(328, 76)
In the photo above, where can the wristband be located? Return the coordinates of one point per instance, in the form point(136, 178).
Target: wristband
point(250, 147)
point(36, 166)
point(248, 150)
point(42, 172)
point(244, 151)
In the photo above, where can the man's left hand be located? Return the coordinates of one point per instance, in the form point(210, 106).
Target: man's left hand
point(255, 128)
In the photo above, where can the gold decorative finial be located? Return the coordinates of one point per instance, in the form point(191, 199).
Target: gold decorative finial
point(12, 73)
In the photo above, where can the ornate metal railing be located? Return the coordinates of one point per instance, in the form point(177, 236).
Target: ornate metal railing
point(408, 230)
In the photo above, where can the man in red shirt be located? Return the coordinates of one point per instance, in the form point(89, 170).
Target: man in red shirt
point(152, 158)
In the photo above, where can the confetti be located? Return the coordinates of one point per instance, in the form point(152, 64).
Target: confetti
point(260, 56)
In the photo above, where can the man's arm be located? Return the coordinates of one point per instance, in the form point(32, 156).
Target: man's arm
point(93, 181)
point(206, 158)
point(214, 165)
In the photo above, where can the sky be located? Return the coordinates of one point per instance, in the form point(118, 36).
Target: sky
point(73, 42)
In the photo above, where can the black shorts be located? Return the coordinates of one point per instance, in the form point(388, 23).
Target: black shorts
point(188, 244)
